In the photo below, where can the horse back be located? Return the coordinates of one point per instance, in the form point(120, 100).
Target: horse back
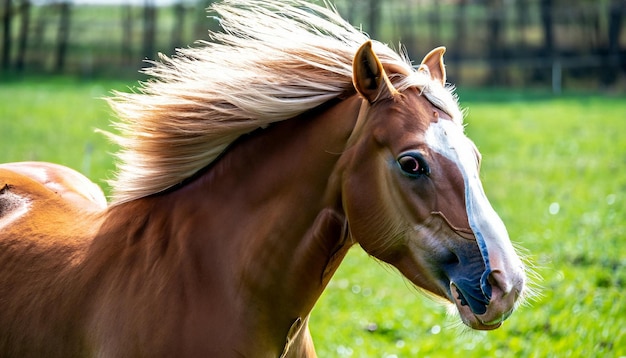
point(65, 183)
point(48, 216)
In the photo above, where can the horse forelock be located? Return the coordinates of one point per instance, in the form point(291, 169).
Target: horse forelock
point(273, 61)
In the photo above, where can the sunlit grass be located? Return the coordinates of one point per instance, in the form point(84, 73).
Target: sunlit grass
point(54, 119)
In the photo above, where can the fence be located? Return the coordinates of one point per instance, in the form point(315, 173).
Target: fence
point(490, 42)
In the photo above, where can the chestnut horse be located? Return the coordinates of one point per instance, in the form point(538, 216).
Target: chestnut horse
point(248, 167)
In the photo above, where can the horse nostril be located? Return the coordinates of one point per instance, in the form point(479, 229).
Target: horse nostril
point(451, 259)
point(497, 279)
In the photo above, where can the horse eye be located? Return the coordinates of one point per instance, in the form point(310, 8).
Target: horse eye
point(413, 164)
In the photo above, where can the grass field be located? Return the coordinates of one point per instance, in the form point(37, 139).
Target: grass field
point(554, 168)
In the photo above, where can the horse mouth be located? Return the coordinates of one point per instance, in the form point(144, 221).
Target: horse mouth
point(465, 304)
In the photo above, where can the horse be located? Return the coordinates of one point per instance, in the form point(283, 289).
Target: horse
point(247, 169)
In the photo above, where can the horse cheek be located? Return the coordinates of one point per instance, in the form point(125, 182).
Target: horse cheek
point(368, 206)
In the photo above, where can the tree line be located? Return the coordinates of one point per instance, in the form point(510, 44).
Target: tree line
point(490, 42)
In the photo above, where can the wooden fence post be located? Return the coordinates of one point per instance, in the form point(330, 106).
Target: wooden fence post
point(460, 32)
point(63, 35)
point(435, 23)
point(20, 61)
point(6, 34)
point(494, 42)
point(149, 28)
point(179, 25)
point(549, 51)
point(612, 63)
point(127, 35)
point(373, 17)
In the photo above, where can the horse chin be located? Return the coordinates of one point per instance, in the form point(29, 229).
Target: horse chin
point(471, 319)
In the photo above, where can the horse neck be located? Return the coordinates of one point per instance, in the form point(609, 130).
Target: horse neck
point(274, 191)
point(265, 222)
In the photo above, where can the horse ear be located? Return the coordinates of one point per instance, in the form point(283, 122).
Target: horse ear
point(434, 62)
point(368, 75)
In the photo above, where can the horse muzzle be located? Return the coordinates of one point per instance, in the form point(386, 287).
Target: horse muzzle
point(487, 312)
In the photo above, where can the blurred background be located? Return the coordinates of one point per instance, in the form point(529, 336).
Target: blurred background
point(521, 43)
point(543, 83)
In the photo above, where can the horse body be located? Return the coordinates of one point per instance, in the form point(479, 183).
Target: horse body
point(182, 258)
point(231, 261)
point(236, 268)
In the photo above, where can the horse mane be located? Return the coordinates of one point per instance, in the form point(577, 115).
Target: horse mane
point(273, 61)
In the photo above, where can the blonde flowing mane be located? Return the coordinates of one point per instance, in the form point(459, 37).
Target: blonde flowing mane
point(273, 61)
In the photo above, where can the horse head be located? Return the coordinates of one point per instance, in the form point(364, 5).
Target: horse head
point(413, 198)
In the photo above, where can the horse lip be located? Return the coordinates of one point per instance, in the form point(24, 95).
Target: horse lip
point(475, 300)
point(468, 317)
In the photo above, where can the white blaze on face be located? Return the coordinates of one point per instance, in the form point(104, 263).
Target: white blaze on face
point(447, 138)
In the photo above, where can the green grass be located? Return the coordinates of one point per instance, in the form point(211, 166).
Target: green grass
point(554, 168)
point(54, 119)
